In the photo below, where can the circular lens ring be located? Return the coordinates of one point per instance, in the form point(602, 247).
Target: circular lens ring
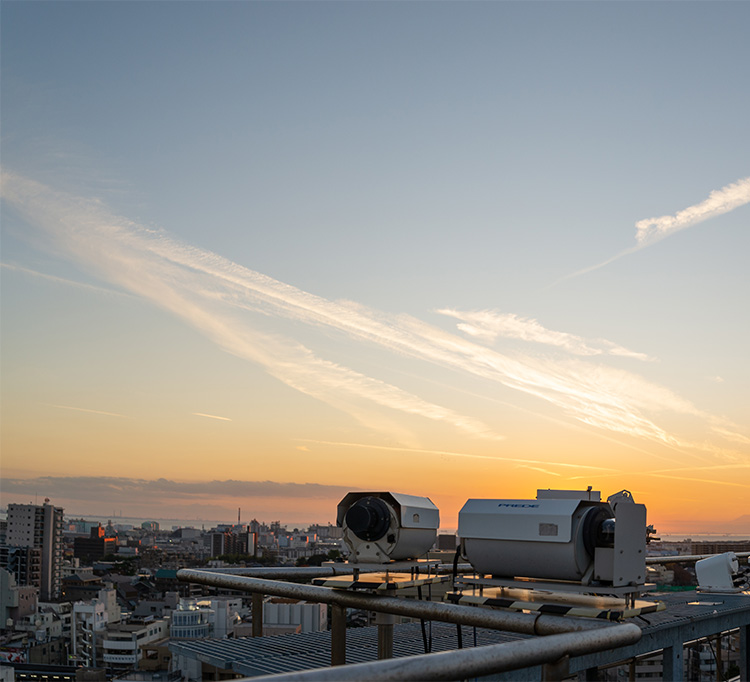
point(368, 518)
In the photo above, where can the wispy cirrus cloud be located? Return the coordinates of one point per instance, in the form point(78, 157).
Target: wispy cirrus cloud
point(679, 474)
point(651, 230)
point(491, 324)
point(205, 290)
point(208, 290)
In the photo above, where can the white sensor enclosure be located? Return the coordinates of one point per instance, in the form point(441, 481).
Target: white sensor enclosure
point(380, 527)
point(716, 573)
point(571, 537)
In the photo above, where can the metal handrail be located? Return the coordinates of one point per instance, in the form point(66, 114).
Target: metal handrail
point(527, 623)
point(678, 558)
point(564, 636)
point(329, 570)
point(461, 664)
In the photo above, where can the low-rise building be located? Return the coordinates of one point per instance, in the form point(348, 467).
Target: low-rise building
point(88, 622)
point(16, 601)
point(190, 621)
point(81, 586)
point(290, 612)
point(122, 643)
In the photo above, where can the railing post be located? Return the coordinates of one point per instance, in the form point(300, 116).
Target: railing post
point(719, 666)
point(559, 670)
point(745, 652)
point(385, 623)
point(672, 664)
point(338, 635)
point(257, 614)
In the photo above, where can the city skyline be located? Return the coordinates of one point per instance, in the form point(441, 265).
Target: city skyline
point(272, 253)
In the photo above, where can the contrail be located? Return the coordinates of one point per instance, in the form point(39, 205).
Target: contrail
point(83, 409)
point(651, 230)
point(62, 280)
point(720, 201)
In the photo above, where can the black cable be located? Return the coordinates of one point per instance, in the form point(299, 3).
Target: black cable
point(716, 660)
point(429, 598)
point(421, 620)
point(459, 634)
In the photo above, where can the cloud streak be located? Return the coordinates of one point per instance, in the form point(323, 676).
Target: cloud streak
point(61, 280)
point(84, 409)
point(651, 230)
point(719, 201)
point(207, 291)
point(449, 453)
point(488, 325)
point(211, 416)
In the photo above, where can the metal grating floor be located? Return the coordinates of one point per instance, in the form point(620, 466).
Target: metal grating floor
point(304, 651)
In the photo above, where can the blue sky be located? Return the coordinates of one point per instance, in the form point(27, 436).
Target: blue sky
point(457, 163)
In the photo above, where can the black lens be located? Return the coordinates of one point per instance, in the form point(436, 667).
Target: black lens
point(368, 518)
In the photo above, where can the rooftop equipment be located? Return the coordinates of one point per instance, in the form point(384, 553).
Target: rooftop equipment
point(721, 573)
point(383, 527)
point(569, 536)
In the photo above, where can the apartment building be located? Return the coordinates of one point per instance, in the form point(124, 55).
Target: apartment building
point(33, 547)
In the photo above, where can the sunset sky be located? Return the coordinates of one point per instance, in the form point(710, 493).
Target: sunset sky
point(259, 254)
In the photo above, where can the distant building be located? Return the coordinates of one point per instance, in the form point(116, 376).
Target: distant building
point(37, 528)
point(229, 543)
point(291, 612)
point(24, 563)
point(447, 541)
point(16, 601)
point(88, 622)
point(190, 621)
point(81, 586)
point(719, 547)
point(122, 644)
point(94, 547)
point(152, 526)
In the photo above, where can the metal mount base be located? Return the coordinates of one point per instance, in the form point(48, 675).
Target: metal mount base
point(558, 586)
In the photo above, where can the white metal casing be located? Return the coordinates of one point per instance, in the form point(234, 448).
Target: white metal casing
point(526, 538)
point(716, 573)
point(412, 528)
point(527, 520)
point(552, 538)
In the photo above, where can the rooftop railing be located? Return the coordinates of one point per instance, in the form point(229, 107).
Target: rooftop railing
point(558, 637)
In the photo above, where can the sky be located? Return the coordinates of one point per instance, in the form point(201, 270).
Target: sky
point(256, 255)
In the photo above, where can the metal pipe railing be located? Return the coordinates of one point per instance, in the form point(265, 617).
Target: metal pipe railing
point(308, 572)
point(461, 664)
point(526, 623)
point(678, 558)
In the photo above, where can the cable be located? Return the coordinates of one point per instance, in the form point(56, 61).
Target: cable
point(421, 620)
point(716, 660)
point(459, 634)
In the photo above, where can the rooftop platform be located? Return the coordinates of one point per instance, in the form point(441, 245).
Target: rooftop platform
point(688, 616)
